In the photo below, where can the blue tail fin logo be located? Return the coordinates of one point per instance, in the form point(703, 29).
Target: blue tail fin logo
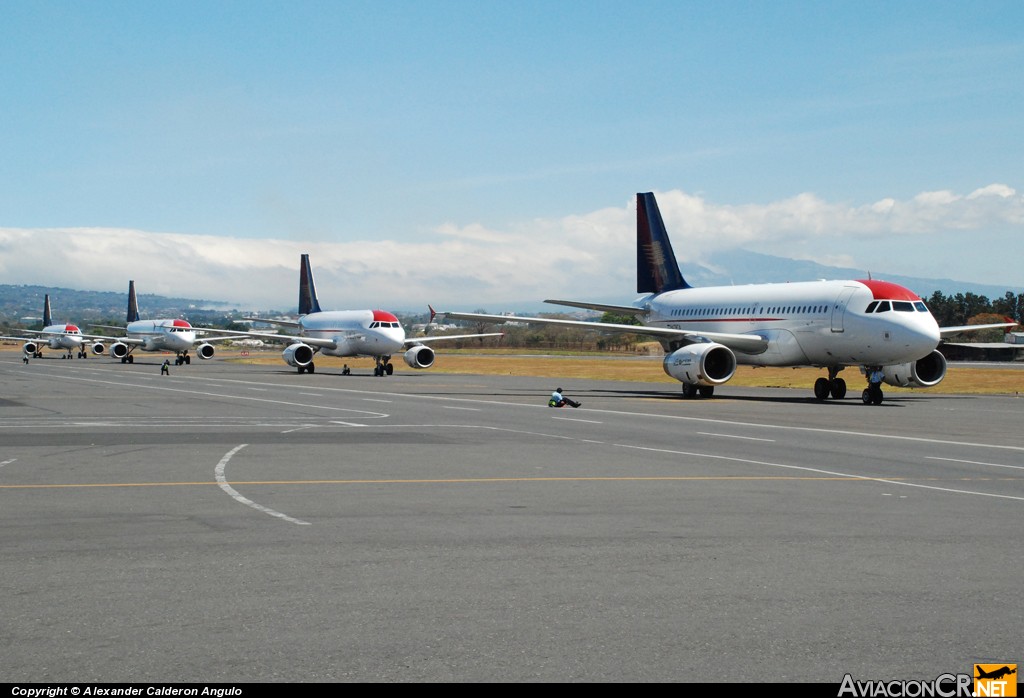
point(308, 302)
point(656, 266)
point(133, 303)
point(47, 316)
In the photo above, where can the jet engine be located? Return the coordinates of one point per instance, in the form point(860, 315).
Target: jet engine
point(118, 350)
point(923, 373)
point(205, 350)
point(701, 364)
point(30, 348)
point(298, 355)
point(419, 356)
point(98, 349)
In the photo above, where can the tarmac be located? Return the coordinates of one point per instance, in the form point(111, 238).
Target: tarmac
point(244, 523)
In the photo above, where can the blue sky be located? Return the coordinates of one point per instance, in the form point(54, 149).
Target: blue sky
point(476, 154)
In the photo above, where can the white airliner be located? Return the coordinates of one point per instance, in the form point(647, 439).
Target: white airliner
point(707, 332)
point(61, 336)
point(174, 335)
point(373, 333)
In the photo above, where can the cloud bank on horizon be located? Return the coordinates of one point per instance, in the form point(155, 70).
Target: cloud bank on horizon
point(472, 154)
point(585, 255)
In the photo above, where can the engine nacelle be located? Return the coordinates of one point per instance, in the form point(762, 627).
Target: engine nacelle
point(118, 350)
point(98, 348)
point(298, 355)
point(701, 364)
point(923, 373)
point(30, 348)
point(419, 356)
point(205, 350)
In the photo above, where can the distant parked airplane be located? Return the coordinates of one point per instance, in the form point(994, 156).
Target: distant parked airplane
point(174, 335)
point(373, 333)
point(707, 332)
point(61, 336)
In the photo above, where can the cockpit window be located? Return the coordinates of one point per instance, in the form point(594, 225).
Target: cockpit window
point(883, 307)
point(921, 307)
point(903, 306)
point(871, 307)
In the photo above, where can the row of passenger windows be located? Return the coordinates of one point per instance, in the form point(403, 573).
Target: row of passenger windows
point(873, 307)
point(898, 306)
point(383, 324)
point(773, 310)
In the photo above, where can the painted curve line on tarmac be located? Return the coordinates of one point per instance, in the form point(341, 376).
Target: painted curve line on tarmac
point(223, 484)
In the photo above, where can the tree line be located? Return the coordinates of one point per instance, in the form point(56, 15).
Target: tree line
point(961, 308)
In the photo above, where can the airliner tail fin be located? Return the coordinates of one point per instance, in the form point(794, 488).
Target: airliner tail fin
point(133, 303)
point(656, 266)
point(308, 302)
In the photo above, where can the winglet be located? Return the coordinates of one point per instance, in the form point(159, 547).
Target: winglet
point(47, 317)
point(656, 266)
point(308, 302)
point(133, 303)
point(433, 314)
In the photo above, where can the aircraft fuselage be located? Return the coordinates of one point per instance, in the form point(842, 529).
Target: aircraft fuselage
point(817, 323)
point(354, 332)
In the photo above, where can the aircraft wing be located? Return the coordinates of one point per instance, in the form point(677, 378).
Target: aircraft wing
point(604, 308)
point(270, 336)
point(746, 343)
point(413, 341)
point(950, 331)
point(210, 340)
point(282, 323)
point(238, 334)
point(110, 338)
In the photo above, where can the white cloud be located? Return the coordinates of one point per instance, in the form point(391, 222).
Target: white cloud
point(578, 256)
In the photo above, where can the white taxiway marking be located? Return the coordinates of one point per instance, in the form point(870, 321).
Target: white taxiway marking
point(733, 436)
point(975, 462)
point(223, 483)
point(467, 409)
point(820, 470)
point(3, 463)
point(570, 419)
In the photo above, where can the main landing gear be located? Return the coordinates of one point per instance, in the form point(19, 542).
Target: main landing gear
point(383, 367)
point(836, 387)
